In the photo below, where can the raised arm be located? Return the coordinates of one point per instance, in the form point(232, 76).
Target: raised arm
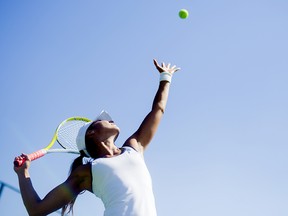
point(142, 137)
point(56, 198)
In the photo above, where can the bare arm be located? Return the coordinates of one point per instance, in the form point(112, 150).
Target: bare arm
point(55, 199)
point(143, 136)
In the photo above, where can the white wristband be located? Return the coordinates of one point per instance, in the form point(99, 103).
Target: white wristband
point(165, 76)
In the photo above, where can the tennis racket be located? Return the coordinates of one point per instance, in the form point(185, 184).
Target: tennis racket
point(65, 134)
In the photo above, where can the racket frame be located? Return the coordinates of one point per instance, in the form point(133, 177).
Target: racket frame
point(47, 149)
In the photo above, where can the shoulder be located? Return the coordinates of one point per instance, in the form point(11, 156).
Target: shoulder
point(133, 143)
point(80, 178)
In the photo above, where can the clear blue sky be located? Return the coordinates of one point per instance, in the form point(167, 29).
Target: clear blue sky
point(222, 146)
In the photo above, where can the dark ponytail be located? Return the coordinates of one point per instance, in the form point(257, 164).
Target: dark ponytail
point(76, 163)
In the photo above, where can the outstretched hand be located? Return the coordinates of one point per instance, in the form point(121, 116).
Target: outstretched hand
point(167, 68)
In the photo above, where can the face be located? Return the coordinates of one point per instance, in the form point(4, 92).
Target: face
point(103, 128)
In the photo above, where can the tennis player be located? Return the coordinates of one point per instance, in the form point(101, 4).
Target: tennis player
point(118, 176)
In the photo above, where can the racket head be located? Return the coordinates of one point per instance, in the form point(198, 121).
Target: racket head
point(67, 131)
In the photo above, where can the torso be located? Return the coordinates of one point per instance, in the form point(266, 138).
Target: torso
point(124, 184)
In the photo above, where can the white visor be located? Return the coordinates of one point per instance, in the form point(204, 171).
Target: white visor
point(80, 140)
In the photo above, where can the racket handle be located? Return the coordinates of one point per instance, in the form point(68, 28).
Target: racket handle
point(32, 156)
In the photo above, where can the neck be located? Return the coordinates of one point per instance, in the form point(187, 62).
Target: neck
point(108, 148)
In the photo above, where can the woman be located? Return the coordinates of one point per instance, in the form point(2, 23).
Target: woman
point(118, 176)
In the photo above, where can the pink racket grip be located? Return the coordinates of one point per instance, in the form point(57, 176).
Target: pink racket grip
point(31, 157)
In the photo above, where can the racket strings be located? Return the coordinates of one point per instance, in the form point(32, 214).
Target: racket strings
point(67, 133)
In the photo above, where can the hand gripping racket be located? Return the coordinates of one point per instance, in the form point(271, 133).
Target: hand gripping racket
point(65, 134)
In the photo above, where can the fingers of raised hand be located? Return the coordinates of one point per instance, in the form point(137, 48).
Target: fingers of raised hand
point(171, 69)
point(176, 68)
point(158, 67)
point(165, 67)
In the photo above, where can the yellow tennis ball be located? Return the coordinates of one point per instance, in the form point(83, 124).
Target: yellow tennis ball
point(183, 13)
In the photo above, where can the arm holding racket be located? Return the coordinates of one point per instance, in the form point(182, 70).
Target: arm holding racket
point(57, 197)
point(28, 193)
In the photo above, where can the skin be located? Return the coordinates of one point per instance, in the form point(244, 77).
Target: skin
point(103, 133)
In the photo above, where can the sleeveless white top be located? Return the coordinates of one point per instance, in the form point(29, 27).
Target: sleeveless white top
point(124, 184)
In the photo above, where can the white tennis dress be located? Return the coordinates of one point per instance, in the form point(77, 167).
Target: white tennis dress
point(124, 184)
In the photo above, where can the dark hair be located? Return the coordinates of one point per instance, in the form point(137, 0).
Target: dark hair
point(91, 148)
point(76, 163)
